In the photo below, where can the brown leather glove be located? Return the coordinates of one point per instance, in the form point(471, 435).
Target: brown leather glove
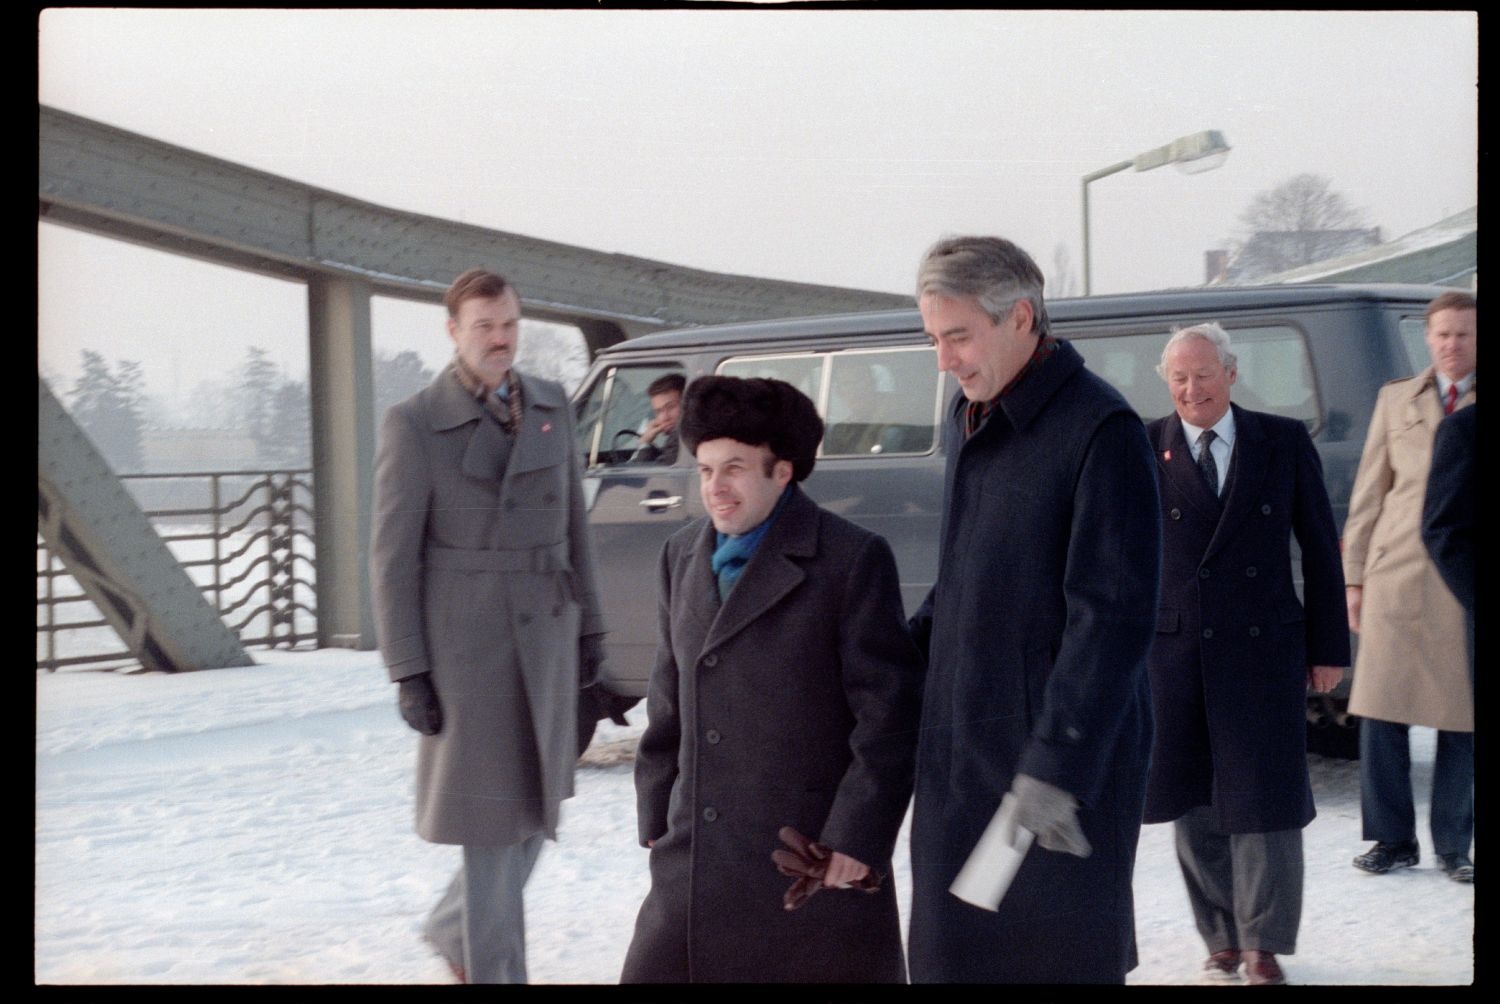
point(807, 863)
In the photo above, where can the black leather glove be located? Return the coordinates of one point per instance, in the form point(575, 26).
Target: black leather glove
point(921, 635)
point(419, 704)
point(590, 658)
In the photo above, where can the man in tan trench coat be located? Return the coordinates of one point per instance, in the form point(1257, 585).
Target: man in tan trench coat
point(1412, 667)
point(487, 616)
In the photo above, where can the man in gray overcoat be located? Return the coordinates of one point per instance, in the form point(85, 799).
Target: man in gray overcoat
point(784, 694)
point(487, 616)
point(1036, 633)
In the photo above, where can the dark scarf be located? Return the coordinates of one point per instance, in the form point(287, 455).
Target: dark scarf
point(978, 411)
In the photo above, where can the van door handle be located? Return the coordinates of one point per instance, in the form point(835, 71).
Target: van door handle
point(660, 503)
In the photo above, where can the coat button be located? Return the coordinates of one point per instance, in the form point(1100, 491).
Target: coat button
point(1208, 632)
point(524, 618)
point(510, 505)
point(1250, 572)
point(549, 498)
point(1202, 573)
point(711, 660)
point(712, 735)
point(710, 814)
point(1176, 514)
point(1265, 510)
point(557, 610)
point(1254, 632)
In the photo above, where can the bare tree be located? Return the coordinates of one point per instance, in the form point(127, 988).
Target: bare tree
point(1297, 222)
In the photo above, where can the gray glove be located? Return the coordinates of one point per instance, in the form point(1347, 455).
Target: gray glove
point(419, 704)
point(1050, 813)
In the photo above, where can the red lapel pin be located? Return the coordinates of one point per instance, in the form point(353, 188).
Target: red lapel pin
point(546, 426)
point(1167, 456)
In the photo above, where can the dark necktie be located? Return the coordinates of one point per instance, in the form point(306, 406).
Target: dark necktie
point(1450, 400)
point(1206, 465)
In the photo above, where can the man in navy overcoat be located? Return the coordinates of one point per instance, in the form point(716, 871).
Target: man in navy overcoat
point(1036, 633)
point(1235, 653)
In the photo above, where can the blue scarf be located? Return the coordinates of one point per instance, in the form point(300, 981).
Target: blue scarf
point(731, 554)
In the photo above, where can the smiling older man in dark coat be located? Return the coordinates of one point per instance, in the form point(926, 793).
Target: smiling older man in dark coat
point(1036, 633)
point(784, 694)
point(1236, 652)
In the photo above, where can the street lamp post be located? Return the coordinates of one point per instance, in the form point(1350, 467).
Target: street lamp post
point(1202, 151)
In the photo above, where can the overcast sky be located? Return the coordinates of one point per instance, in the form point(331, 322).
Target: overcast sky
point(818, 146)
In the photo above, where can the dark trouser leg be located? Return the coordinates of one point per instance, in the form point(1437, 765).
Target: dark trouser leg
point(1453, 793)
point(1385, 799)
point(1267, 889)
point(1209, 874)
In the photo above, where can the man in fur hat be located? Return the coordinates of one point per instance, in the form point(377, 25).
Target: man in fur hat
point(784, 701)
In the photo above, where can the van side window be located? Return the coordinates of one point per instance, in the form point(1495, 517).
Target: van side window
point(1414, 338)
point(803, 371)
point(882, 402)
point(1274, 372)
point(613, 412)
point(874, 402)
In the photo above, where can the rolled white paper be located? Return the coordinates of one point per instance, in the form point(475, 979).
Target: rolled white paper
point(993, 862)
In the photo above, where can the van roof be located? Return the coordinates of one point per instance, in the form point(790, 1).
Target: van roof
point(1116, 306)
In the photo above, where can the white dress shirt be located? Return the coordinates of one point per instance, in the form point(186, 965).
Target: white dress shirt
point(1222, 447)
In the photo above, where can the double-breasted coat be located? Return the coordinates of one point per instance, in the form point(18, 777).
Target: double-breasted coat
point(481, 574)
point(1411, 665)
point(792, 703)
point(1233, 643)
point(1036, 633)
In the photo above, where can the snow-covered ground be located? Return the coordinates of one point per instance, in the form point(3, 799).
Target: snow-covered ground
point(254, 825)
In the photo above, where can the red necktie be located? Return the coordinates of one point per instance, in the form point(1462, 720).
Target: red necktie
point(1451, 400)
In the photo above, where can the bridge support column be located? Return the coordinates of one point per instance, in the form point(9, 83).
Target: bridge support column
point(341, 386)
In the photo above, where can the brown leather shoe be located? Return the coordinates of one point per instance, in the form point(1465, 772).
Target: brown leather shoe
point(1262, 969)
point(1222, 967)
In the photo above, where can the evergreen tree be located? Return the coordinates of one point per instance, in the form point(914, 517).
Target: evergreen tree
point(259, 380)
point(397, 377)
point(107, 406)
point(288, 441)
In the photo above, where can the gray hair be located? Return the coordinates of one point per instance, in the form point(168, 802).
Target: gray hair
point(1211, 332)
point(992, 270)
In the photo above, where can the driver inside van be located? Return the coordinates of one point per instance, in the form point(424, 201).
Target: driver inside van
point(659, 437)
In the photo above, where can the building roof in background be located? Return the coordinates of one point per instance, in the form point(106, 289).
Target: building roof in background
point(1444, 253)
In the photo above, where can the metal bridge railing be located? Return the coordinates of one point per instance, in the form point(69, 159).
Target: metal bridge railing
point(244, 537)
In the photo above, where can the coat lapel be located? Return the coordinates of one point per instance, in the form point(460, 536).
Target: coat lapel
point(1422, 404)
point(699, 605)
point(542, 442)
point(451, 407)
point(772, 572)
point(1176, 461)
point(1247, 470)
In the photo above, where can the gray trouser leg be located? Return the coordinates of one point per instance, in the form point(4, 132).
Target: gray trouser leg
point(480, 922)
point(1245, 888)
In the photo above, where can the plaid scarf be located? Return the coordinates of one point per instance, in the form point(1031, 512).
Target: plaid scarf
point(978, 411)
point(505, 407)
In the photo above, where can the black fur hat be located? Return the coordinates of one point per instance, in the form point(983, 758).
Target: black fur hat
point(757, 412)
